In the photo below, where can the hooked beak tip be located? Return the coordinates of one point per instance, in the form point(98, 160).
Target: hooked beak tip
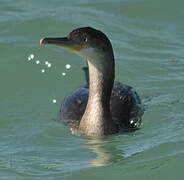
point(43, 41)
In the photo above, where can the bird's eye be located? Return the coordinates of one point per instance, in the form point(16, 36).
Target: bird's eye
point(85, 39)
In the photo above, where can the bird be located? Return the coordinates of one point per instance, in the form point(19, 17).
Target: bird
point(103, 106)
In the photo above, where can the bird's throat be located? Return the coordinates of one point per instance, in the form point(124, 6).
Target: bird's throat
point(97, 118)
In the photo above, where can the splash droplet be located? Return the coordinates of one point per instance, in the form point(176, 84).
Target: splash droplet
point(49, 65)
point(29, 58)
point(37, 62)
point(54, 101)
point(67, 66)
point(32, 56)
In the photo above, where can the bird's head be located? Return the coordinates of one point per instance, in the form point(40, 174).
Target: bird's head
point(86, 41)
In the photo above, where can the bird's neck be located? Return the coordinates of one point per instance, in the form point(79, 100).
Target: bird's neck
point(97, 118)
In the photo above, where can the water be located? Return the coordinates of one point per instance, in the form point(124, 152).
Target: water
point(147, 37)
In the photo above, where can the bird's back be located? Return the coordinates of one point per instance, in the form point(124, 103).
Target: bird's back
point(73, 107)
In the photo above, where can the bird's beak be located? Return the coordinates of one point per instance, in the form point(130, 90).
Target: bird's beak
point(64, 42)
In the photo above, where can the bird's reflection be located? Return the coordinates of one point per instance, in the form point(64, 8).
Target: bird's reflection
point(105, 149)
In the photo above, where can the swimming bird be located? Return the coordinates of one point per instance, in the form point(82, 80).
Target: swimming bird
point(102, 107)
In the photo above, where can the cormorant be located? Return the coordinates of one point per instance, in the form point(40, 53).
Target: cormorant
point(103, 106)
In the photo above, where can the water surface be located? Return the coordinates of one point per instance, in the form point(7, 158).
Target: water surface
point(147, 37)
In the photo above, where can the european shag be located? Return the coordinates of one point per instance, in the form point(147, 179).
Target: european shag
point(103, 106)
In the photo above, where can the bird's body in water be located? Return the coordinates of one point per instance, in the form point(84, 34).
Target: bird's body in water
point(103, 106)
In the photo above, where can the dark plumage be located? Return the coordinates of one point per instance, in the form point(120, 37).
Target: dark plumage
point(125, 105)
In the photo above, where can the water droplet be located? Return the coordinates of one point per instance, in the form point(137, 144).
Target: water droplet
point(54, 101)
point(37, 62)
point(29, 58)
point(32, 56)
point(131, 122)
point(68, 66)
point(49, 65)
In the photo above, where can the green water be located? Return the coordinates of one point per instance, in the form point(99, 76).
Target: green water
point(148, 41)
